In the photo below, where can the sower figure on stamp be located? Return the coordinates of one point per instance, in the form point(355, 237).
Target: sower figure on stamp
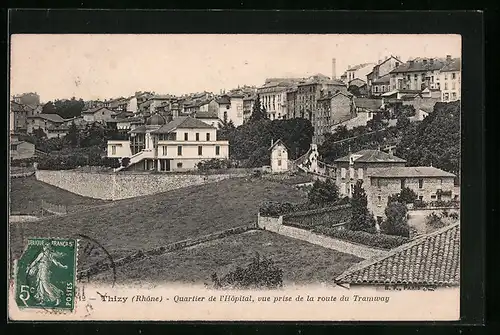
point(40, 270)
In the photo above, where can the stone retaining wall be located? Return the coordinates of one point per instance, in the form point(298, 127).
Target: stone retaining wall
point(101, 267)
point(276, 225)
point(110, 186)
point(328, 216)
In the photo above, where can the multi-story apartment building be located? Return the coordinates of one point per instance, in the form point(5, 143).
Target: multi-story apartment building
point(248, 103)
point(231, 108)
point(332, 109)
point(273, 99)
point(418, 74)
point(291, 103)
point(378, 79)
point(450, 79)
point(308, 94)
point(178, 145)
point(53, 125)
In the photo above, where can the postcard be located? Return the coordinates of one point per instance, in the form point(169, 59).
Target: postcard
point(219, 177)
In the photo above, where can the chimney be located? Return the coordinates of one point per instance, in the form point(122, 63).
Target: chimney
point(334, 69)
point(424, 61)
point(272, 142)
point(448, 58)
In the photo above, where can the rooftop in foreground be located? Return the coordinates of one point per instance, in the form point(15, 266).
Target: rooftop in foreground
point(433, 259)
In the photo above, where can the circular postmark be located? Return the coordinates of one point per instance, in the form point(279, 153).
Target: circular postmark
point(93, 259)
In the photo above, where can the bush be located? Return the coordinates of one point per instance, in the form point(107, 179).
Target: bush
point(276, 209)
point(406, 196)
point(434, 221)
point(214, 164)
point(260, 273)
point(397, 220)
point(362, 237)
point(419, 204)
point(454, 216)
point(125, 161)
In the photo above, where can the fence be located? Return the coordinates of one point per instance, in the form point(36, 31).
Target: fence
point(53, 208)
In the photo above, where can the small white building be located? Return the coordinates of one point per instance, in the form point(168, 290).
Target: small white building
point(279, 157)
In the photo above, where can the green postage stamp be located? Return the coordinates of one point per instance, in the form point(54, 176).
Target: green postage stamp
point(46, 274)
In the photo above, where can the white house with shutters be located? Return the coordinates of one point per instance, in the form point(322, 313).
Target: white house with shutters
point(279, 157)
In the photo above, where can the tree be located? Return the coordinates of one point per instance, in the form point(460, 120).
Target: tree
point(354, 90)
point(323, 192)
point(397, 220)
point(361, 218)
point(406, 196)
point(73, 135)
point(258, 112)
point(434, 141)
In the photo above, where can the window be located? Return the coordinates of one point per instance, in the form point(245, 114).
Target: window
point(420, 197)
point(351, 173)
point(14, 147)
point(403, 181)
point(453, 85)
point(374, 181)
point(454, 96)
point(453, 76)
point(279, 162)
point(445, 76)
point(360, 173)
point(197, 137)
point(352, 189)
point(179, 150)
point(445, 86)
point(433, 197)
point(420, 183)
point(179, 165)
point(208, 136)
point(446, 97)
point(217, 150)
point(200, 150)
point(113, 149)
point(164, 150)
point(342, 173)
point(379, 198)
point(186, 136)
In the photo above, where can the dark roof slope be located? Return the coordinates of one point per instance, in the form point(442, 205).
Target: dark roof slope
point(50, 117)
point(371, 156)
point(432, 259)
point(369, 104)
point(408, 172)
point(185, 122)
point(420, 64)
point(454, 65)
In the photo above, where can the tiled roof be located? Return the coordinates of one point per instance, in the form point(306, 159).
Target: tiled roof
point(93, 110)
point(408, 172)
point(420, 64)
point(432, 259)
point(50, 117)
point(276, 143)
point(223, 100)
point(371, 156)
point(369, 104)
point(206, 115)
point(178, 123)
point(383, 80)
point(357, 82)
point(454, 65)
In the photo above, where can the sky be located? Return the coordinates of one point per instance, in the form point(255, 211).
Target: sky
point(110, 66)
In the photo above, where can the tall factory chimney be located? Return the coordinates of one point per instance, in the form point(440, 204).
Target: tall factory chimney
point(334, 68)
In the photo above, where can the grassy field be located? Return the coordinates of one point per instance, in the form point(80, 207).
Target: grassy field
point(26, 195)
point(143, 223)
point(301, 262)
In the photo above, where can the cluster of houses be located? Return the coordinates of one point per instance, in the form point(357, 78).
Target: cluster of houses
point(383, 174)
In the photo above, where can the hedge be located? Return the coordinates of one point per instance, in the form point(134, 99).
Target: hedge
point(276, 209)
point(373, 240)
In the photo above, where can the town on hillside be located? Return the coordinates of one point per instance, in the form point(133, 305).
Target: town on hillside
point(334, 174)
